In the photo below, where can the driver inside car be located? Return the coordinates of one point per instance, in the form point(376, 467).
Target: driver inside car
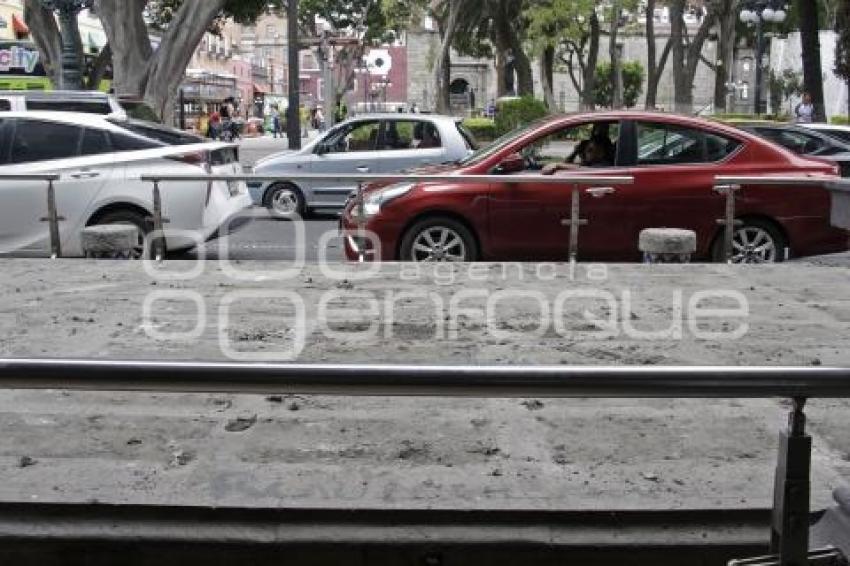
point(598, 151)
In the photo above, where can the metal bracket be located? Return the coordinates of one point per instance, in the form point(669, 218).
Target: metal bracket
point(728, 219)
point(790, 523)
point(575, 222)
point(54, 219)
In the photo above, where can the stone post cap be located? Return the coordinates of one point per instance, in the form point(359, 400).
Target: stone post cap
point(667, 241)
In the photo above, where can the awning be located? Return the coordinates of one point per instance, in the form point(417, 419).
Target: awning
point(260, 90)
point(19, 25)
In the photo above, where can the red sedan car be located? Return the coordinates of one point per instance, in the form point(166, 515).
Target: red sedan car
point(673, 161)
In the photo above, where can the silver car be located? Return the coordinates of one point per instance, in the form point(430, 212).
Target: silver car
point(375, 143)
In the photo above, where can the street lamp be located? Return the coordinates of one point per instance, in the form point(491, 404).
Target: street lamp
point(759, 12)
point(71, 76)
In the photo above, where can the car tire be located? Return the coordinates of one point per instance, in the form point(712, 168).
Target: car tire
point(285, 200)
point(755, 241)
point(439, 239)
point(130, 217)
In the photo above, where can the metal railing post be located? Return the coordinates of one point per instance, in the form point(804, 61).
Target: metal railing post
point(791, 496)
point(728, 220)
point(53, 220)
point(361, 223)
point(158, 241)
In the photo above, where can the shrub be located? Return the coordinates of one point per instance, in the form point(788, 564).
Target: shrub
point(633, 74)
point(483, 129)
point(512, 113)
point(840, 120)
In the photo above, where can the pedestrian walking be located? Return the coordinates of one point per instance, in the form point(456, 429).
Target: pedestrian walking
point(320, 120)
point(804, 112)
point(276, 122)
point(215, 125)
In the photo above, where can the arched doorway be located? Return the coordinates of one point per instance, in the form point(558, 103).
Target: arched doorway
point(461, 95)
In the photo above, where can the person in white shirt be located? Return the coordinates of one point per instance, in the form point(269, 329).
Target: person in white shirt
point(805, 111)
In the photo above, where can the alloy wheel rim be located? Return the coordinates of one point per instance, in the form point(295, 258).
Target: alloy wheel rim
point(438, 244)
point(752, 244)
point(285, 201)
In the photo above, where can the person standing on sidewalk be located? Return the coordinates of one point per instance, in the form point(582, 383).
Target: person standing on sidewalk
point(805, 111)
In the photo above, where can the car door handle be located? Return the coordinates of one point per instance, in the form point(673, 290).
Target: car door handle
point(363, 169)
point(85, 175)
point(599, 192)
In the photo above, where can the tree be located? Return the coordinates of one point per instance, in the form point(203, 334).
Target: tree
point(616, 72)
point(812, 77)
point(727, 20)
point(633, 76)
point(842, 45)
point(655, 66)
point(46, 34)
point(783, 86)
point(687, 53)
point(555, 28)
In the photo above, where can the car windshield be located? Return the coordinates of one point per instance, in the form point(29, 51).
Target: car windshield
point(487, 151)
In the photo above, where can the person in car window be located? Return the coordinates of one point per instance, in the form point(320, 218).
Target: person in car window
point(430, 137)
point(594, 154)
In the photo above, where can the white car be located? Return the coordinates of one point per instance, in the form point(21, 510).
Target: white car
point(100, 161)
point(836, 132)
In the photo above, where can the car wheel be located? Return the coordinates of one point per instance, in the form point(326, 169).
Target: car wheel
point(285, 200)
point(754, 241)
point(132, 218)
point(439, 240)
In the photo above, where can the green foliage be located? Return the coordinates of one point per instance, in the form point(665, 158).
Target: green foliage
point(633, 76)
point(840, 120)
point(515, 112)
point(484, 129)
point(783, 86)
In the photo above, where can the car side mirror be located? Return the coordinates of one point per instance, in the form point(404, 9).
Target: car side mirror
point(514, 163)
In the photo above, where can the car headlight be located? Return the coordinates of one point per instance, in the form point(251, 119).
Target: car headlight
point(373, 203)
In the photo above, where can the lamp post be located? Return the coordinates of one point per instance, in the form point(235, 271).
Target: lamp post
point(72, 75)
point(760, 12)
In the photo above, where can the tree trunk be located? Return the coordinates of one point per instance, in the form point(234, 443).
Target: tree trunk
point(592, 60)
point(682, 94)
point(614, 54)
point(508, 35)
point(124, 24)
point(500, 73)
point(443, 65)
point(812, 77)
point(725, 53)
point(139, 70)
point(652, 74)
point(547, 71)
point(694, 52)
point(45, 34)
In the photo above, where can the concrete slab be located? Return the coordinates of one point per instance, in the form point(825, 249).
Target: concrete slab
point(318, 452)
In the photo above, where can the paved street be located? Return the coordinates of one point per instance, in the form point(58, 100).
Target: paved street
point(270, 239)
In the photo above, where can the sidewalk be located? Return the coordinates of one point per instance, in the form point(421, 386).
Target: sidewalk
point(248, 451)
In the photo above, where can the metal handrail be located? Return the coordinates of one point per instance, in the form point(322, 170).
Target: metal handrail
point(409, 380)
point(557, 179)
point(789, 524)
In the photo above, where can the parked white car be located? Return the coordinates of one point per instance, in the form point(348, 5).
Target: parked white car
point(836, 132)
point(373, 143)
point(100, 161)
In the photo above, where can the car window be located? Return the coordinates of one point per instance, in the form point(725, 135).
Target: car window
point(669, 144)
point(121, 142)
point(840, 135)
point(568, 145)
point(362, 136)
point(798, 142)
point(93, 107)
point(95, 142)
point(37, 140)
point(410, 134)
point(5, 105)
